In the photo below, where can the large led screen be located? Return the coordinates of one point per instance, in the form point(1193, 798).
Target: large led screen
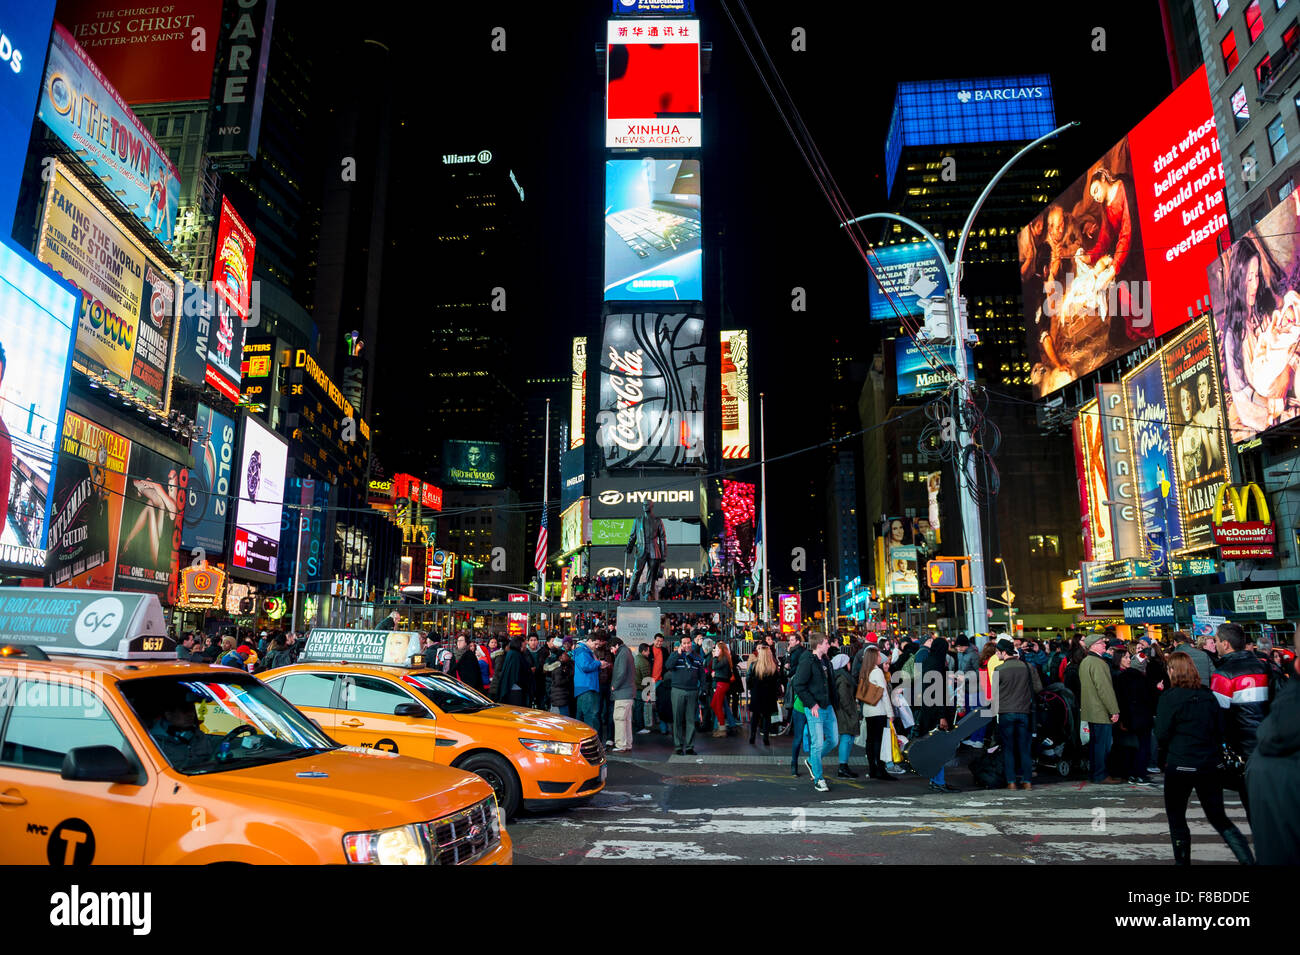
point(652, 96)
point(923, 371)
point(128, 300)
point(474, 463)
point(232, 274)
point(153, 514)
point(88, 498)
point(1255, 296)
point(93, 120)
point(1098, 539)
point(38, 316)
point(27, 35)
point(735, 394)
point(1118, 257)
point(260, 487)
point(210, 485)
point(652, 230)
point(652, 390)
point(1153, 459)
point(894, 270)
point(578, 394)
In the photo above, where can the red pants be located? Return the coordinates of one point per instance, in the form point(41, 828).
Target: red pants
point(720, 694)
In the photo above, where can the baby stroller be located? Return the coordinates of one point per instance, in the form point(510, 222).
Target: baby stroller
point(1055, 741)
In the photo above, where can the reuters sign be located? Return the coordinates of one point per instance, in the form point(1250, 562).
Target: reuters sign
point(1240, 539)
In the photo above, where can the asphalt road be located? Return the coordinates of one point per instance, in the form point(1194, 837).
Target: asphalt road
point(747, 808)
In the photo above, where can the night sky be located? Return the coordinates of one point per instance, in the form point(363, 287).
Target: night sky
point(538, 105)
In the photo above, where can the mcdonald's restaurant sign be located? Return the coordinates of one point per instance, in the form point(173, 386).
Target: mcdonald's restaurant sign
point(1238, 538)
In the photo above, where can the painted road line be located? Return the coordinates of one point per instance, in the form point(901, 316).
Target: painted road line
point(628, 851)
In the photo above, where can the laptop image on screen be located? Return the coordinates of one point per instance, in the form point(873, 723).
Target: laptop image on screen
point(639, 238)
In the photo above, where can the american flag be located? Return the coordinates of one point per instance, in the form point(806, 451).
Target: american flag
point(539, 556)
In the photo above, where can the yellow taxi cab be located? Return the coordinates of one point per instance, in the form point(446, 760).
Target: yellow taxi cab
point(112, 752)
point(370, 688)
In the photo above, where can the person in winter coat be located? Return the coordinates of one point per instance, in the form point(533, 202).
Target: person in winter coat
point(723, 673)
point(622, 690)
point(465, 664)
point(877, 713)
point(535, 653)
point(512, 680)
point(1204, 665)
point(812, 691)
point(644, 715)
point(798, 718)
point(848, 712)
point(559, 671)
point(1189, 731)
point(764, 683)
point(1136, 717)
point(1098, 706)
point(935, 712)
point(1273, 779)
point(1241, 683)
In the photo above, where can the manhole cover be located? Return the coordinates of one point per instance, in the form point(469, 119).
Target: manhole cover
point(704, 780)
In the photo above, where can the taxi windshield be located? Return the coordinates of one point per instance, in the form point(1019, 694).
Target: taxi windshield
point(448, 695)
point(220, 721)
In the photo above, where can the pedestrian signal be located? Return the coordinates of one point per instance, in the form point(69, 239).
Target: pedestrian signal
point(948, 573)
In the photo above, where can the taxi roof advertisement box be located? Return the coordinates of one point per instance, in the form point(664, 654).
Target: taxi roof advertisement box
point(86, 623)
point(38, 318)
point(25, 25)
point(146, 53)
point(361, 646)
point(93, 120)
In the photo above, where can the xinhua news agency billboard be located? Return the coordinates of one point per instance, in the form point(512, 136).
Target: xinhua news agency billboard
point(970, 110)
point(1121, 256)
point(652, 92)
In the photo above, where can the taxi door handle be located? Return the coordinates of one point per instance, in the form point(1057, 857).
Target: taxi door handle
point(351, 723)
point(12, 798)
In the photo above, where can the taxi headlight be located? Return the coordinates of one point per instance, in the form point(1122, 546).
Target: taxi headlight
point(550, 746)
point(400, 846)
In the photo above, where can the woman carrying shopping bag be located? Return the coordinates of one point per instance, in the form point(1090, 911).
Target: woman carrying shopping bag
point(874, 696)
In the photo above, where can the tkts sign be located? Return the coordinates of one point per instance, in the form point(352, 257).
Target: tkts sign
point(1240, 539)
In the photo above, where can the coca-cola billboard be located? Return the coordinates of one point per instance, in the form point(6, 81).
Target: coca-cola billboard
point(652, 390)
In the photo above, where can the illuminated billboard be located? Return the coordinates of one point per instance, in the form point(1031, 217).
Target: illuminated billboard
point(38, 316)
point(26, 25)
point(652, 390)
point(93, 120)
point(1121, 488)
point(1120, 256)
point(652, 91)
point(920, 372)
point(1197, 430)
point(1253, 291)
point(889, 286)
point(474, 463)
point(232, 276)
point(128, 302)
point(738, 525)
point(578, 394)
point(153, 513)
point(148, 54)
point(1098, 536)
point(210, 486)
point(1153, 460)
point(735, 394)
point(984, 110)
point(260, 489)
point(652, 230)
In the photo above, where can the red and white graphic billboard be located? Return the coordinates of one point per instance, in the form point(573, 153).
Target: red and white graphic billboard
point(652, 96)
point(790, 613)
point(517, 624)
point(232, 269)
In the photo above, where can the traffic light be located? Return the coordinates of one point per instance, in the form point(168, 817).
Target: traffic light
point(945, 574)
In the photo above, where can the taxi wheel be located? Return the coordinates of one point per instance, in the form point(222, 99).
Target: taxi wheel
point(500, 775)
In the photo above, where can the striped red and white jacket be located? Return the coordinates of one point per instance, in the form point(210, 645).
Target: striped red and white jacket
point(1241, 685)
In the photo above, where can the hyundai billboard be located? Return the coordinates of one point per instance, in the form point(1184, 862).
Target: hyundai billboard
point(652, 94)
point(652, 230)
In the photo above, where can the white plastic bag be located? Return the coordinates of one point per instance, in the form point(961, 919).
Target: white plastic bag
point(902, 710)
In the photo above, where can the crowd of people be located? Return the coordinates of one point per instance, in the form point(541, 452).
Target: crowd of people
point(615, 587)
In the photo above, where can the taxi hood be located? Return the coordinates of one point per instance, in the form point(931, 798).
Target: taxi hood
point(355, 789)
point(546, 725)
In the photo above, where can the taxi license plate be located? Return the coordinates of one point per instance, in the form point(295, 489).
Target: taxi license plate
point(604, 771)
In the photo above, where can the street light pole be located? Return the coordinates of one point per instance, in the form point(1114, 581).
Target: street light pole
point(972, 531)
point(762, 450)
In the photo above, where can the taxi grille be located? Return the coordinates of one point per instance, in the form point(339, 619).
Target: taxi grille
point(593, 751)
point(464, 836)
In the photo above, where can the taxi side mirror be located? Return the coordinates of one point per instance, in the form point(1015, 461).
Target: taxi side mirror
point(411, 709)
point(98, 764)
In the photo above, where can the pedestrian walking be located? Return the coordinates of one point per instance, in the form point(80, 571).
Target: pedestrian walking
point(1190, 731)
point(723, 674)
point(685, 669)
point(1015, 685)
point(874, 697)
point(812, 691)
point(936, 711)
point(764, 682)
point(622, 690)
point(1273, 779)
point(1098, 706)
point(848, 712)
point(1136, 718)
point(586, 680)
point(798, 718)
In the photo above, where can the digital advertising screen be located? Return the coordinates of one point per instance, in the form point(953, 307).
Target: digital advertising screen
point(652, 390)
point(1254, 295)
point(578, 394)
point(901, 576)
point(738, 525)
point(1099, 543)
point(921, 372)
point(735, 395)
point(128, 300)
point(27, 30)
point(260, 487)
point(93, 120)
point(972, 110)
point(148, 54)
point(211, 480)
point(88, 498)
point(1118, 257)
point(153, 514)
point(573, 476)
point(652, 92)
point(1153, 458)
point(232, 274)
point(672, 496)
point(38, 319)
point(474, 463)
point(652, 230)
point(1197, 430)
point(894, 270)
